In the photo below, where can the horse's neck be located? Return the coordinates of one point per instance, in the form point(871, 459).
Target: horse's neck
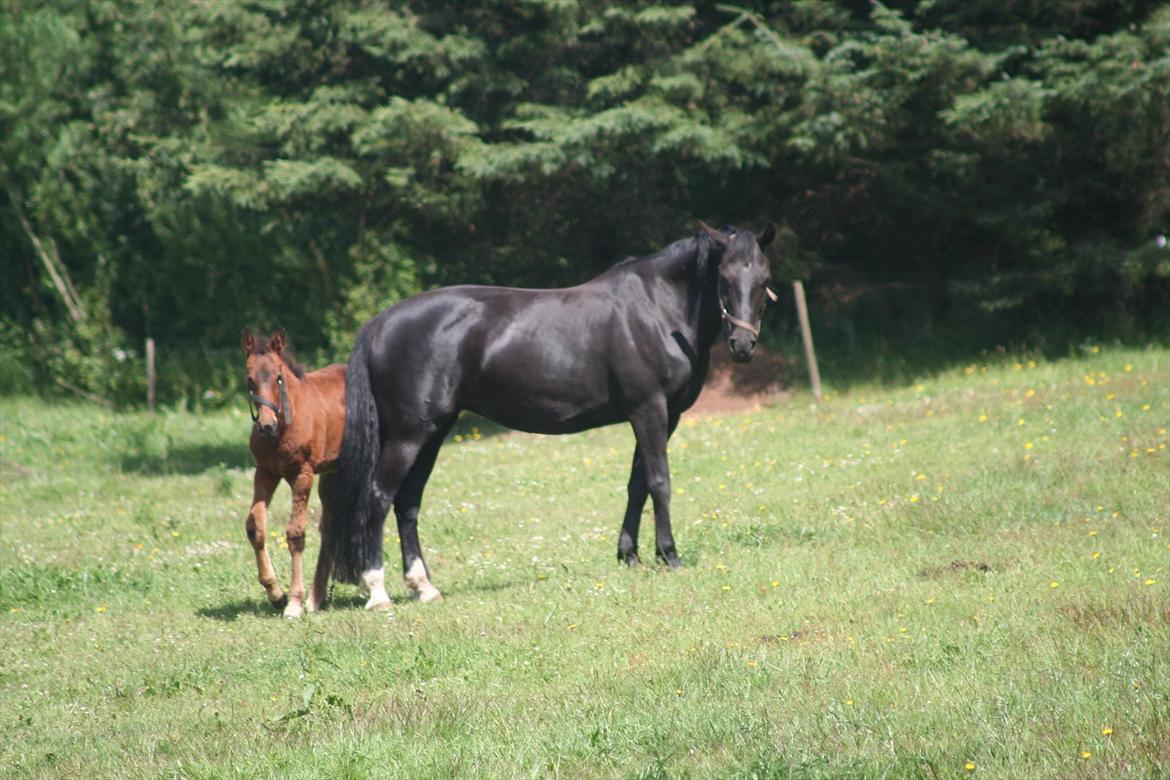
point(697, 298)
point(700, 292)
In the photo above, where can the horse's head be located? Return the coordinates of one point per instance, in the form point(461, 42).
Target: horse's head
point(742, 285)
point(267, 370)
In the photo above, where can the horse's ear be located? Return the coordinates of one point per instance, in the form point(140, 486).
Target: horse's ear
point(277, 342)
point(719, 238)
point(247, 341)
point(766, 238)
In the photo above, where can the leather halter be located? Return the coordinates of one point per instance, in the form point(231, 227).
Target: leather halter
point(285, 408)
point(749, 327)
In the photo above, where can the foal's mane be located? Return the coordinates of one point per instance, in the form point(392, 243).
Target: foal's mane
point(263, 346)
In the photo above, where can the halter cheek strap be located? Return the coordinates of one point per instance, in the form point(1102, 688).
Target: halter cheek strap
point(284, 410)
point(750, 328)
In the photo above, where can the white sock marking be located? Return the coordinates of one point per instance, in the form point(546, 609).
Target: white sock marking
point(374, 581)
point(417, 581)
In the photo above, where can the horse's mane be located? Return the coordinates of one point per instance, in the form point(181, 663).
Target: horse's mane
point(672, 250)
point(262, 346)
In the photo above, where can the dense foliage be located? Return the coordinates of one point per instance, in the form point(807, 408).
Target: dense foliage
point(180, 170)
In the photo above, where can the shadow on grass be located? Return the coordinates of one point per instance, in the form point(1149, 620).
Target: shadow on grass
point(231, 611)
point(893, 339)
point(187, 459)
point(149, 451)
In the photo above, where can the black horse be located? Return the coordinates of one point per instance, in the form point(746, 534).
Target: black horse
point(631, 344)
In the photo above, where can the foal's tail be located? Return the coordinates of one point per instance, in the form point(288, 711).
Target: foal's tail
point(353, 549)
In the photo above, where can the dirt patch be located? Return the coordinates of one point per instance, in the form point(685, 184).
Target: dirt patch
point(954, 567)
point(10, 471)
point(741, 387)
point(798, 635)
point(1138, 608)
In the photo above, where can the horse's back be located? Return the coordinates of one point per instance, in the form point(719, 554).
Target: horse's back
point(529, 359)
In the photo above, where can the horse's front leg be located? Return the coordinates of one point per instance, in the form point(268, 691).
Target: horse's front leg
point(302, 487)
point(263, 485)
point(636, 491)
point(652, 428)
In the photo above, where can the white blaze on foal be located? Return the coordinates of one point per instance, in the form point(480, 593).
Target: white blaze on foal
point(417, 581)
point(374, 581)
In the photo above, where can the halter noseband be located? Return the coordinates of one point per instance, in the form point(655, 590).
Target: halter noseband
point(750, 328)
point(284, 410)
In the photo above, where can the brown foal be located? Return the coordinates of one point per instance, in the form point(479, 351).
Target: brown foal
point(298, 420)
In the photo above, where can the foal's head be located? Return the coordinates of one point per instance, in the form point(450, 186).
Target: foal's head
point(742, 285)
point(268, 367)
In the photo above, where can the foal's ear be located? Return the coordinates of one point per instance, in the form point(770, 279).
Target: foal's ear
point(718, 237)
point(247, 341)
point(766, 238)
point(277, 342)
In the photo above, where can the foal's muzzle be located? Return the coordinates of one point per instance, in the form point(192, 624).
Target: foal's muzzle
point(268, 430)
point(284, 411)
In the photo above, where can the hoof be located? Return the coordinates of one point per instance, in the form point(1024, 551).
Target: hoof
point(293, 611)
point(672, 561)
point(432, 596)
point(378, 606)
point(630, 559)
point(280, 602)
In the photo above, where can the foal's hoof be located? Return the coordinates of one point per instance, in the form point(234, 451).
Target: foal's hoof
point(672, 561)
point(378, 606)
point(280, 602)
point(294, 610)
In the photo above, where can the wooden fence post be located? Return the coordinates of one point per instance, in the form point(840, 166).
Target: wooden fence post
point(150, 376)
point(810, 354)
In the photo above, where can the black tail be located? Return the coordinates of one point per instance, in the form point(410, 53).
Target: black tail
point(353, 549)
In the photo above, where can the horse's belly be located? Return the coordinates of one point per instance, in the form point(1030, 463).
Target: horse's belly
point(543, 415)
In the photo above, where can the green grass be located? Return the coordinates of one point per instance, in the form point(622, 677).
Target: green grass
point(893, 583)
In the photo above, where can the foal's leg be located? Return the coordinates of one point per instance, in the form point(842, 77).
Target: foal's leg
point(416, 576)
point(263, 484)
point(302, 487)
point(652, 428)
point(319, 591)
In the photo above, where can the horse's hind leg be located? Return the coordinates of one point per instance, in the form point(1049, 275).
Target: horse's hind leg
point(263, 485)
point(302, 486)
point(394, 464)
point(415, 574)
point(318, 592)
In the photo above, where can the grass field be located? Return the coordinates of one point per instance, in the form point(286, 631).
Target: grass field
point(965, 576)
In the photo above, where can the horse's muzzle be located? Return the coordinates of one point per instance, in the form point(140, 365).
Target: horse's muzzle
point(741, 345)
